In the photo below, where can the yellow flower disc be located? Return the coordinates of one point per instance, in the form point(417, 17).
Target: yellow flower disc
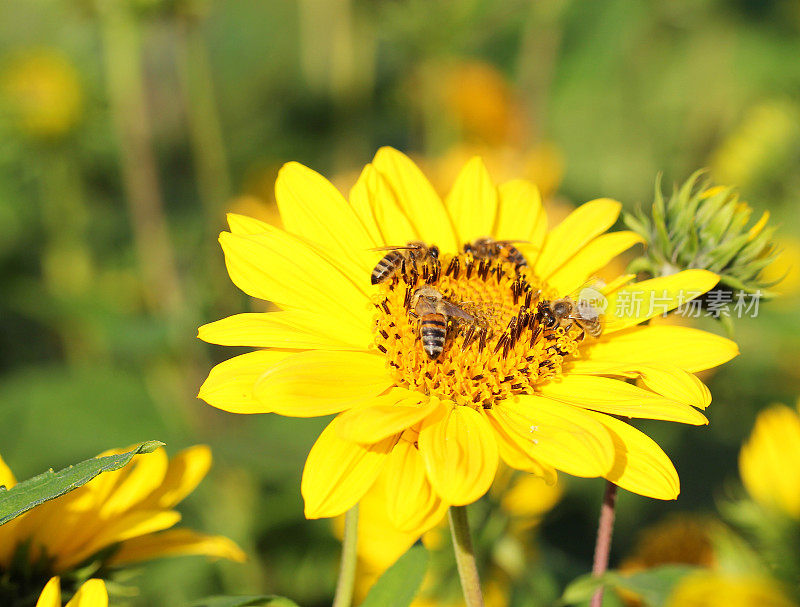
point(505, 351)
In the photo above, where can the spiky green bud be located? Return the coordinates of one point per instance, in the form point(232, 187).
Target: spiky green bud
point(705, 227)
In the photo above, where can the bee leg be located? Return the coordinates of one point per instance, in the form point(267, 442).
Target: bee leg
point(469, 337)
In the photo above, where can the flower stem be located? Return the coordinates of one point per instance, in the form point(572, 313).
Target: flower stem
point(602, 548)
point(347, 569)
point(465, 557)
point(126, 86)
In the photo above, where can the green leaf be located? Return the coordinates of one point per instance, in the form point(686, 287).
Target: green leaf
point(50, 485)
point(583, 588)
point(652, 586)
point(245, 601)
point(399, 584)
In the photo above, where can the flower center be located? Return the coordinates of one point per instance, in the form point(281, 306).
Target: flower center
point(470, 330)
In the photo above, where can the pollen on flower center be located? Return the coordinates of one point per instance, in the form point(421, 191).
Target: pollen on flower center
point(493, 341)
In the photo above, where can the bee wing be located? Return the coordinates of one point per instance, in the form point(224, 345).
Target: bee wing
point(452, 310)
point(394, 248)
point(587, 310)
point(425, 305)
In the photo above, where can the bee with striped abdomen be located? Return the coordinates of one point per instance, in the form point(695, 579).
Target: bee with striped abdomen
point(400, 256)
point(488, 248)
point(434, 313)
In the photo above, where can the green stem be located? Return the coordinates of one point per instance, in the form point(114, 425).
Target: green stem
point(465, 556)
point(347, 569)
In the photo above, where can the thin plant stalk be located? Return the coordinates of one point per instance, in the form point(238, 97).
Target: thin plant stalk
point(605, 529)
point(202, 113)
point(126, 92)
point(465, 556)
point(67, 262)
point(347, 569)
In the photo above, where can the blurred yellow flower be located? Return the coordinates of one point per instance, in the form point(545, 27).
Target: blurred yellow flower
point(769, 462)
point(680, 538)
point(692, 539)
point(517, 387)
point(41, 90)
point(495, 594)
point(125, 509)
point(765, 137)
point(528, 498)
point(480, 100)
point(91, 594)
point(716, 589)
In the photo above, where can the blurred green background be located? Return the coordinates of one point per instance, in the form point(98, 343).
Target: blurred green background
point(129, 127)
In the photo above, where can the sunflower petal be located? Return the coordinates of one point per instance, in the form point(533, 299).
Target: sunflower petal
point(590, 259)
point(417, 198)
point(684, 347)
point(361, 202)
point(244, 225)
point(176, 542)
point(51, 594)
point(639, 301)
point(395, 226)
point(230, 384)
point(186, 470)
point(131, 524)
point(411, 502)
point(389, 415)
point(515, 456)
point(668, 381)
point(144, 476)
point(92, 593)
point(520, 214)
point(338, 472)
point(571, 235)
point(460, 453)
point(380, 543)
point(472, 203)
point(276, 266)
point(6, 476)
point(617, 397)
point(313, 208)
point(640, 465)
point(562, 436)
point(289, 329)
point(319, 382)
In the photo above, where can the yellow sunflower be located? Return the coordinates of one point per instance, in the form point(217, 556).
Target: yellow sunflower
point(91, 594)
point(507, 385)
point(112, 521)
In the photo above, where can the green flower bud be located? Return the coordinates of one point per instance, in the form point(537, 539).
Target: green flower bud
point(703, 226)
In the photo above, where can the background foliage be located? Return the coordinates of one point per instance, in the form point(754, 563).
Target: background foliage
point(128, 128)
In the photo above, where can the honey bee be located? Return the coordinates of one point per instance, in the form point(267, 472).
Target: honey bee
point(488, 248)
point(565, 311)
point(398, 255)
point(434, 312)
